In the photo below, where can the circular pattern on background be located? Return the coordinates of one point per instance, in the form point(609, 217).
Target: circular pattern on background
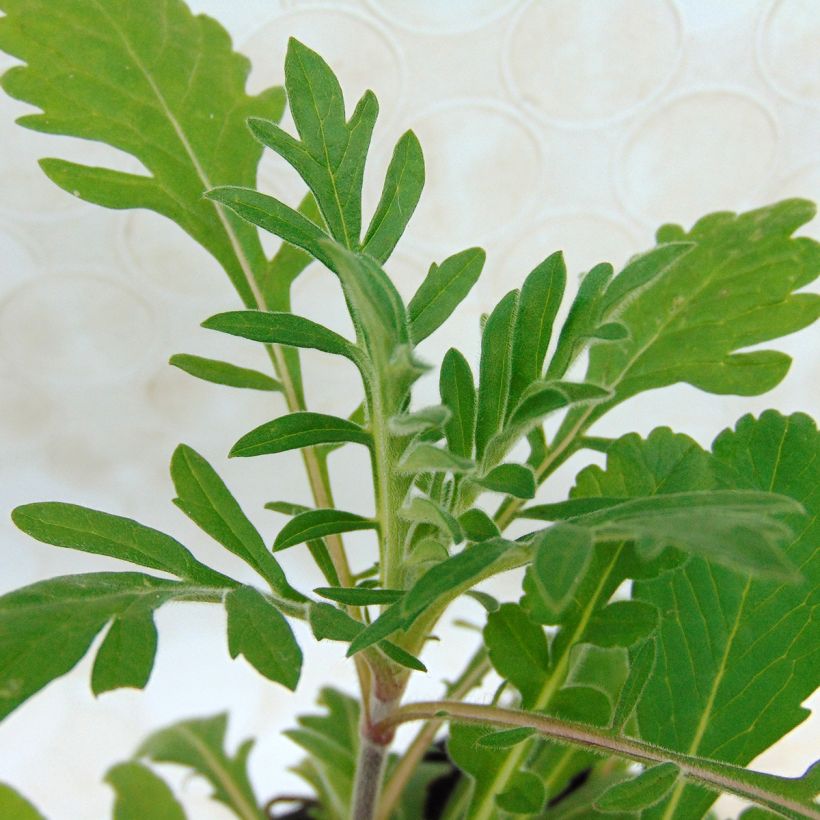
point(436, 17)
point(584, 62)
point(156, 250)
point(475, 189)
point(705, 151)
point(17, 260)
point(76, 328)
point(788, 49)
point(584, 238)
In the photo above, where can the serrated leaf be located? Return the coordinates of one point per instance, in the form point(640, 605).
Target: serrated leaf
point(403, 184)
point(458, 394)
point(313, 524)
point(427, 458)
point(622, 623)
point(494, 371)
point(359, 596)
point(297, 430)
point(541, 296)
point(732, 289)
point(218, 372)
point(742, 690)
point(14, 806)
point(517, 480)
point(477, 525)
point(206, 500)
point(98, 72)
point(81, 528)
point(140, 793)
point(562, 555)
point(442, 290)
point(518, 650)
point(126, 656)
point(199, 744)
point(641, 664)
point(47, 627)
point(273, 327)
point(426, 511)
point(257, 630)
point(640, 792)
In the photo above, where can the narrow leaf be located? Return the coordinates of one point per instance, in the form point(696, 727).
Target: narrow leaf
point(458, 394)
point(427, 458)
point(641, 664)
point(359, 596)
point(298, 430)
point(402, 188)
point(442, 291)
point(126, 656)
point(428, 418)
point(425, 510)
point(281, 328)
point(81, 528)
point(231, 375)
point(313, 524)
point(543, 398)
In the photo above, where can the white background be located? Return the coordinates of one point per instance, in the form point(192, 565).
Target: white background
point(573, 124)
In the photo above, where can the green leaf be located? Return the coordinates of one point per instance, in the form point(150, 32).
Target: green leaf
point(543, 398)
point(274, 216)
point(286, 507)
point(622, 623)
point(206, 500)
point(298, 430)
point(641, 664)
point(141, 794)
point(443, 289)
point(327, 622)
point(740, 649)
point(257, 630)
point(569, 509)
point(15, 806)
point(506, 738)
point(641, 792)
point(231, 375)
point(331, 741)
point(402, 189)
point(81, 528)
point(524, 795)
point(581, 321)
point(541, 296)
point(428, 418)
point(494, 371)
point(96, 72)
point(512, 479)
point(126, 656)
point(562, 555)
point(360, 596)
point(733, 289)
point(427, 458)
point(426, 511)
point(47, 627)
point(458, 394)
point(199, 744)
point(273, 327)
point(477, 525)
point(313, 524)
point(518, 651)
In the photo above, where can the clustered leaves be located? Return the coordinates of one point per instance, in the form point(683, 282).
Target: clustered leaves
point(666, 607)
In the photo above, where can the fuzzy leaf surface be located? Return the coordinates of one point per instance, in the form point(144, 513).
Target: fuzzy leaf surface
point(219, 372)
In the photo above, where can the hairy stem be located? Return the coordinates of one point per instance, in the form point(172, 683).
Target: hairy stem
point(773, 792)
point(369, 771)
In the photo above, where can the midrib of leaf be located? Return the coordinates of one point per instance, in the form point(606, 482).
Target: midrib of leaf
point(330, 172)
point(246, 810)
point(321, 492)
point(710, 702)
point(553, 682)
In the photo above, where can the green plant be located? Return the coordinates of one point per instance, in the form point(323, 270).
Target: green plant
point(702, 667)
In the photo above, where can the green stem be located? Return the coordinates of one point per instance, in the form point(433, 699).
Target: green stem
point(775, 793)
